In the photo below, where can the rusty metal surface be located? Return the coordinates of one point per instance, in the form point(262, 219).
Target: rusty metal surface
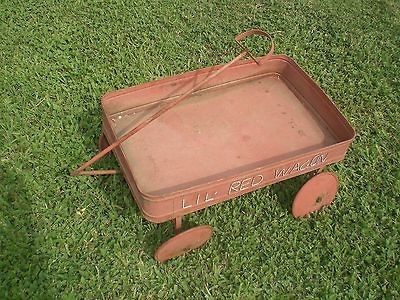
point(252, 126)
point(316, 193)
point(260, 121)
point(183, 242)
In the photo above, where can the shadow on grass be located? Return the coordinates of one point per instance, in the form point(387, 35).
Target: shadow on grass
point(24, 267)
point(154, 238)
point(162, 233)
point(287, 190)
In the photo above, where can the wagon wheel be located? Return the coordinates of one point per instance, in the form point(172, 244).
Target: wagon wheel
point(316, 193)
point(103, 143)
point(183, 242)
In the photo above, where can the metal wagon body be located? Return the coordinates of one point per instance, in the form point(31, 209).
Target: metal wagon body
point(196, 139)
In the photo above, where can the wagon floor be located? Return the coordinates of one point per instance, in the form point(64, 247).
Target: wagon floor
point(219, 132)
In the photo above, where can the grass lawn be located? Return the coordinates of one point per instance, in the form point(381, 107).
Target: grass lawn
point(84, 237)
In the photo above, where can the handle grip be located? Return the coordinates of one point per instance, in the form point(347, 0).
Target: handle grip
point(251, 32)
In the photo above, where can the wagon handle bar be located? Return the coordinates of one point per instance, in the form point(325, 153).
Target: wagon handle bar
point(248, 33)
point(168, 106)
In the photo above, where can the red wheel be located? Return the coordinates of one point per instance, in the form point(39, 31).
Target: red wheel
point(183, 242)
point(103, 143)
point(316, 193)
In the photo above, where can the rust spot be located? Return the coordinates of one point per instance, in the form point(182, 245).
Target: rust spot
point(301, 132)
point(245, 138)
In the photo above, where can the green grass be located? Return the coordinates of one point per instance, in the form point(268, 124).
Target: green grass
point(83, 237)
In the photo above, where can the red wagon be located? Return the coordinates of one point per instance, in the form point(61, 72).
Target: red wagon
point(193, 140)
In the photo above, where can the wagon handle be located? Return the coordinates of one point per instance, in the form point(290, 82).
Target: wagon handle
point(248, 33)
point(168, 106)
